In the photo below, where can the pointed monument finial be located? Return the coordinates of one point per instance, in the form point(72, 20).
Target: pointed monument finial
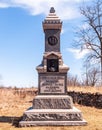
point(52, 10)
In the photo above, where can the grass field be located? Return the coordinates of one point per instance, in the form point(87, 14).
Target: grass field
point(86, 89)
point(13, 105)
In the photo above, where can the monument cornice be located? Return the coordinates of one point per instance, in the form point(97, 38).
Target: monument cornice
point(51, 25)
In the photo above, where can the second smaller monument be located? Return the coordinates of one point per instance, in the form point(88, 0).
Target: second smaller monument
point(52, 105)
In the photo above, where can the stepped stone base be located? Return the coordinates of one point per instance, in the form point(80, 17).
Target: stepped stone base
point(52, 102)
point(52, 117)
point(52, 123)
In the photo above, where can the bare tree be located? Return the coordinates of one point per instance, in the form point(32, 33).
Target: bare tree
point(91, 75)
point(85, 80)
point(73, 80)
point(90, 37)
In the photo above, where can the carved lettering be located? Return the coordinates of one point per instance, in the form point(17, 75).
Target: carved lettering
point(52, 84)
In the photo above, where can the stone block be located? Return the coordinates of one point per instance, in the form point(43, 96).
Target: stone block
point(53, 117)
point(52, 102)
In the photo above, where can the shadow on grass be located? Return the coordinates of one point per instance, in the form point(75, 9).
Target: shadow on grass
point(14, 120)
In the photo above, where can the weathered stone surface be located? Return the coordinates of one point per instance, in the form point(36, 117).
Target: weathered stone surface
point(52, 117)
point(52, 102)
point(52, 123)
point(60, 116)
point(52, 83)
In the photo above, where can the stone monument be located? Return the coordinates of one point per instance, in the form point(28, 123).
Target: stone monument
point(52, 105)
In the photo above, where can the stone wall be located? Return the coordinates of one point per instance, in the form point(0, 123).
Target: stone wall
point(87, 99)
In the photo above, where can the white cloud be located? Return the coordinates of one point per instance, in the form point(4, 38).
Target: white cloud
point(78, 54)
point(3, 5)
point(66, 9)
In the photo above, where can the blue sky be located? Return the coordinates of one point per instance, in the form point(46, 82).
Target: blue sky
point(22, 38)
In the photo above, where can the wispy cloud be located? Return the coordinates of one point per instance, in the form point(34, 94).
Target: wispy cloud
point(66, 9)
point(4, 5)
point(78, 54)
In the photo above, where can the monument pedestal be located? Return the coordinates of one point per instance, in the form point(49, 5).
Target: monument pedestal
point(52, 117)
point(52, 111)
point(52, 102)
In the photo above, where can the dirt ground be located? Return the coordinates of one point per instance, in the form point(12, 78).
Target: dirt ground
point(12, 106)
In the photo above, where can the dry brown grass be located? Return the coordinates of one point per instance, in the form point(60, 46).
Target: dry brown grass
point(85, 89)
point(12, 105)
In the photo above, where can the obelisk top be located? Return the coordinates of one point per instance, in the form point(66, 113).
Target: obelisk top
point(52, 21)
point(52, 10)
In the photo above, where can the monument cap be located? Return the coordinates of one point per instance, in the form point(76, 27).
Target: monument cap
point(52, 10)
point(52, 21)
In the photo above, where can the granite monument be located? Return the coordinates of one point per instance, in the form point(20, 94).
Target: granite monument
point(52, 106)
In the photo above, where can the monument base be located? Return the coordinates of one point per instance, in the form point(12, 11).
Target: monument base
point(52, 102)
point(52, 117)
